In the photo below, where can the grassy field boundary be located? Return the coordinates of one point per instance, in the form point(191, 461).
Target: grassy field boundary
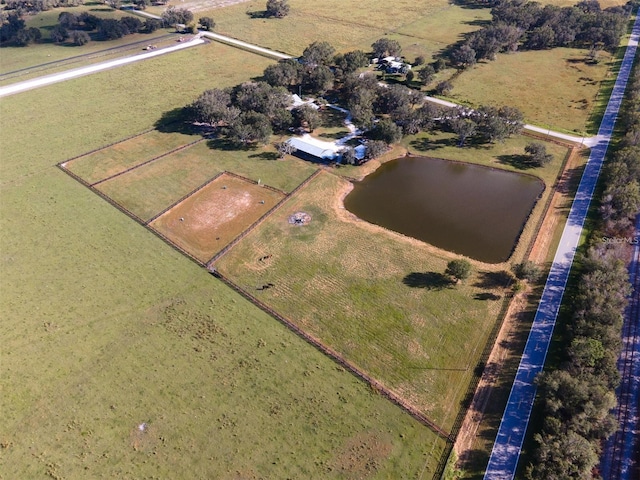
point(339, 359)
point(165, 154)
point(570, 152)
point(104, 147)
point(183, 198)
point(128, 213)
point(235, 241)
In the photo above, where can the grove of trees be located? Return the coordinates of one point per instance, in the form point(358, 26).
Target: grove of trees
point(278, 8)
point(523, 24)
point(76, 27)
point(245, 114)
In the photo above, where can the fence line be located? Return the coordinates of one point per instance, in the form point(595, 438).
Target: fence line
point(131, 215)
point(268, 187)
point(181, 147)
point(249, 229)
point(184, 197)
point(335, 356)
point(105, 146)
point(547, 204)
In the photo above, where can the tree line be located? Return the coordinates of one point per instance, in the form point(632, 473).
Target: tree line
point(577, 397)
point(527, 25)
point(384, 112)
point(78, 28)
point(35, 6)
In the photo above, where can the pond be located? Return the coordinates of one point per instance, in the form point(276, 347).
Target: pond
point(468, 209)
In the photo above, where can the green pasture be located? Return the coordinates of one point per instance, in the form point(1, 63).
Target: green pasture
point(99, 109)
point(117, 158)
point(553, 88)
point(105, 327)
point(378, 299)
point(149, 189)
point(33, 57)
point(423, 27)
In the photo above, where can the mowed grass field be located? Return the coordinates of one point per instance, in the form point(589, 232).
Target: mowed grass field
point(423, 27)
point(106, 328)
point(114, 160)
point(553, 88)
point(377, 298)
point(152, 187)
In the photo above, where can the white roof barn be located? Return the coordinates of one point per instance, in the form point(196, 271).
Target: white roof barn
point(315, 148)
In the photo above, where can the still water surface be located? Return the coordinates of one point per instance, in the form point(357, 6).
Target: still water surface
point(468, 209)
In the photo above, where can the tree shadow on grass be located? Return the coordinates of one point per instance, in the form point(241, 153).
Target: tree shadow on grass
point(266, 156)
point(486, 296)
point(521, 162)
point(258, 14)
point(178, 121)
point(500, 279)
point(425, 144)
point(227, 145)
point(428, 280)
point(334, 136)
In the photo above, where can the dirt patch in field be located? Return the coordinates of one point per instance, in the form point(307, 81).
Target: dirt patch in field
point(208, 220)
point(362, 455)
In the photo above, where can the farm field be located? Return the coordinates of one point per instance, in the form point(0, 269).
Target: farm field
point(527, 76)
point(114, 107)
point(34, 55)
point(107, 162)
point(127, 360)
point(418, 25)
point(377, 298)
point(156, 183)
point(121, 358)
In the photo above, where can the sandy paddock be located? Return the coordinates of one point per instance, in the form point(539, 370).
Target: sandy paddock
point(208, 220)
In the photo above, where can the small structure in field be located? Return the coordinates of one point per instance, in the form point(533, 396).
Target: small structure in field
point(299, 218)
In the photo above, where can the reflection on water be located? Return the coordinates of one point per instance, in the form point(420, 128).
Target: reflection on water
point(468, 209)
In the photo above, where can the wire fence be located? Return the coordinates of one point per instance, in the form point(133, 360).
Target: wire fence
point(339, 359)
point(170, 152)
point(251, 227)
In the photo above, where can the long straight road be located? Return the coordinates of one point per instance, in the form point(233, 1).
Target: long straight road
point(503, 461)
point(18, 87)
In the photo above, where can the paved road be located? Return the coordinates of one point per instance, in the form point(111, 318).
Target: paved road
point(98, 67)
point(245, 45)
point(506, 449)
point(587, 141)
point(225, 39)
point(618, 461)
